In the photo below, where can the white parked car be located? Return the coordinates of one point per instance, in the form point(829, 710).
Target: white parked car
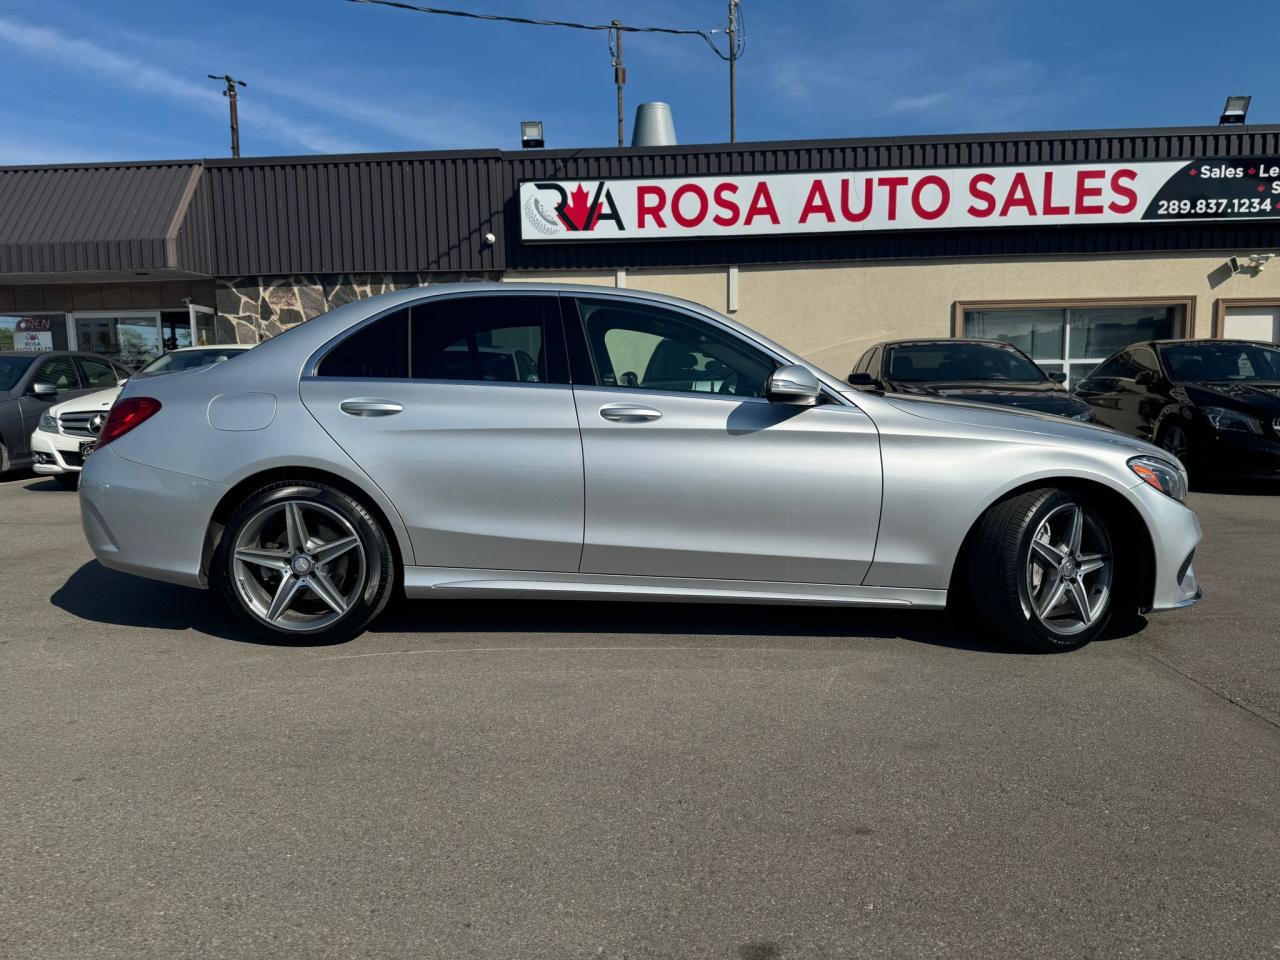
point(68, 431)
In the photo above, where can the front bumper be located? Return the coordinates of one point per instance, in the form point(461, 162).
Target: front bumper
point(54, 453)
point(158, 518)
point(1238, 453)
point(1175, 534)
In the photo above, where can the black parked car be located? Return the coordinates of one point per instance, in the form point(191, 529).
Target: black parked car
point(1214, 404)
point(981, 371)
point(31, 382)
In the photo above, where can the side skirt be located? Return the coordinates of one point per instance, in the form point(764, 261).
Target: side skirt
point(456, 582)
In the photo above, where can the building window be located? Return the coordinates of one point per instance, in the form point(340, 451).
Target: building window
point(1073, 339)
point(33, 332)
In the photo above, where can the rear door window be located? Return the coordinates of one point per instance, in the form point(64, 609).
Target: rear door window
point(378, 350)
point(495, 339)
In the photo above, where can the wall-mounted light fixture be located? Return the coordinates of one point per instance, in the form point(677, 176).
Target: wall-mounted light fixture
point(1236, 109)
point(531, 134)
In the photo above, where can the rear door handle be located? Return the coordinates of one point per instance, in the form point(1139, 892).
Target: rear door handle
point(629, 413)
point(369, 407)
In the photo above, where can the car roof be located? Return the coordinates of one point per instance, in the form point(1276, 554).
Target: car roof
point(50, 353)
point(929, 341)
point(1207, 340)
point(212, 346)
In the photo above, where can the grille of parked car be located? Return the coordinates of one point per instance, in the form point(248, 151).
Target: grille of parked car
point(77, 424)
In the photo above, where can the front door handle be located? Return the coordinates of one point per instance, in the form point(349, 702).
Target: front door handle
point(629, 413)
point(369, 407)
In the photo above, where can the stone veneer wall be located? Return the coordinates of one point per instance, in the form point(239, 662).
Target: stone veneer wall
point(261, 307)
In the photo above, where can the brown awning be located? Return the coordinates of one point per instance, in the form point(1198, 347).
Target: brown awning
point(100, 221)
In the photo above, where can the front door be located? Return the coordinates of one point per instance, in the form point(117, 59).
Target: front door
point(460, 410)
point(133, 340)
point(692, 473)
point(58, 372)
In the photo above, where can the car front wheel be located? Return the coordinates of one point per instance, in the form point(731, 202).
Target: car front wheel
point(305, 562)
point(1043, 570)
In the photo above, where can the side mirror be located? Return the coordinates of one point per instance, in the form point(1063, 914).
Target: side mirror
point(794, 384)
point(44, 390)
point(1145, 378)
point(122, 381)
point(1058, 376)
point(863, 379)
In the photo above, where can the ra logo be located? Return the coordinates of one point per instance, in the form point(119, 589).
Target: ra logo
point(574, 212)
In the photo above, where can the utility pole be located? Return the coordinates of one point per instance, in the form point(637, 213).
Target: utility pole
point(619, 73)
point(230, 94)
point(733, 63)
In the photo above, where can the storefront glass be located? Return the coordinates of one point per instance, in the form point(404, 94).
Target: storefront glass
point(1072, 339)
point(34, 332)
point(132, 340)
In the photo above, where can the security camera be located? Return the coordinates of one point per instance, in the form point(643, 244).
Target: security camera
point(490, 239)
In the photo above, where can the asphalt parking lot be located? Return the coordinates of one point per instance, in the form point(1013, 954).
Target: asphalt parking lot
point(531, 780)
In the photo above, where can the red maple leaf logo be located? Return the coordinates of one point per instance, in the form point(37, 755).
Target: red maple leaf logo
point(577, 212)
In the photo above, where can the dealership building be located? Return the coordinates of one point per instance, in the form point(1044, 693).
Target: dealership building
point(1068, 244)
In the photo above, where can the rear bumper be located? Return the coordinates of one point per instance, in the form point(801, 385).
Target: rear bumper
point(144, 520)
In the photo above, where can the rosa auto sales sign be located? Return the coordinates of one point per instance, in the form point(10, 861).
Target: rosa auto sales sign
point(849, 201)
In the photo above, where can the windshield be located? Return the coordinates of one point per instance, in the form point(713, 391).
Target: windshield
point(12, 369)
point(1217, 362)
point(186, 360)
point(953, 362)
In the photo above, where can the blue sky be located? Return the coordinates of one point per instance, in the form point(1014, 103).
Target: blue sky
point(125, 79)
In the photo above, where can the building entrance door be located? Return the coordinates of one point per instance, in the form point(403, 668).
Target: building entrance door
point(1251, 323)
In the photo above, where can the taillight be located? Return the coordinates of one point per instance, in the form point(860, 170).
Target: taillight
point(125, 415)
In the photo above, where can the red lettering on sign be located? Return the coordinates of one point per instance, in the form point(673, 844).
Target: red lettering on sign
point(645, 208)
point(1050, 209)
point(730, 207)
point(1085, 192)
point(944, 197)
point(817, 202)
point(893, 183)
point(846, 211)
point(761, 205)
point(1019, 195)
point(1121, 189)
point(689, 189)
point(979, 189)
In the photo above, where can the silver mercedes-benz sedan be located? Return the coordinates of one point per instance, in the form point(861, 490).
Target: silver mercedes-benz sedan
point(545, 440)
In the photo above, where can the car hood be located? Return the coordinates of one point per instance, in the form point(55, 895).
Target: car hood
point(1020, 420)
point(1258, 396)
point(1046, 397)
point(102, 400)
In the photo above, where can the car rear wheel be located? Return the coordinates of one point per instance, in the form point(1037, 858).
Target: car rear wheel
point(305, 562)
point(1043, 572)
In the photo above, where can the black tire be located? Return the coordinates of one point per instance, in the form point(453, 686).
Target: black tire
point(1001, 580)
point(4, 459)
point(68, 481)
point(369, 590)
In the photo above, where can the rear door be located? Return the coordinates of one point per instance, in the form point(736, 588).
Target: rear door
point(460, 410)
point(691, 472)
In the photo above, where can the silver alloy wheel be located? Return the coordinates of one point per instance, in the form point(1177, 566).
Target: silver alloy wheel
point(1069, 569)
point(1174, 439)
point(298, 565)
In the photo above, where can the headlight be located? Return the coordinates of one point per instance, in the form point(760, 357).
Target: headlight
point(48, 423)
point(1223, 419)
point(1165, 477)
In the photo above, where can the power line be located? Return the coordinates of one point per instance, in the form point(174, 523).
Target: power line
point(736, 36)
